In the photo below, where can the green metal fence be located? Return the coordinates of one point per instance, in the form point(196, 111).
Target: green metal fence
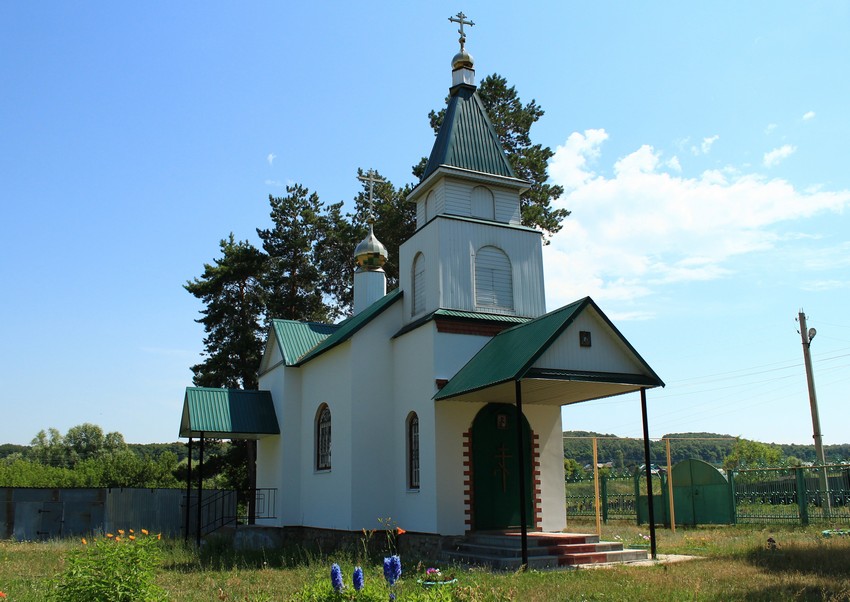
point(792, 495)
point(760, 495)
point(617, 498)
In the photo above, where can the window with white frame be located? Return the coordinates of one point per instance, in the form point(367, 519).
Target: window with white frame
point(413, 451)
point(323, 438)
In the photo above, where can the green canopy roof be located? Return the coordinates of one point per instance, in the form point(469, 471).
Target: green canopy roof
point(510, 356)
point(228, 414)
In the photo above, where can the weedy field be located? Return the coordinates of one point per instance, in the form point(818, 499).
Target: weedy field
point(732, 563)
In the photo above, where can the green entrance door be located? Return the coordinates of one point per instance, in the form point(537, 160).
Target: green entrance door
point(495, 469)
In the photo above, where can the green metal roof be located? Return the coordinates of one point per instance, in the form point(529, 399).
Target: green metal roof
point(228, 413)
point(477, 315)
point(467, 138)
point(295, 339)
point(509, 355)
point(346, 329)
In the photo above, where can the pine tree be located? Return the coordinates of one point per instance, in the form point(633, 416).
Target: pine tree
point(232, 317)
point(292, 278)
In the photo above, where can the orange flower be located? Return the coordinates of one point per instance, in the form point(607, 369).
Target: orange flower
point(132, 538)
point(144, 531)
point(120, 531)
point(2, 595)
point(117, 539)
point(159, 535)
point(109, 535)
point(131, 531)
point(84, 541)
point(400, 531)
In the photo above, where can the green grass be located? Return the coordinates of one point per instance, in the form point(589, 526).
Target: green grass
point(734, 565)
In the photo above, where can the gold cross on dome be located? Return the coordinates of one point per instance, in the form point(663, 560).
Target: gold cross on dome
point(460, 19)
point(373, 179)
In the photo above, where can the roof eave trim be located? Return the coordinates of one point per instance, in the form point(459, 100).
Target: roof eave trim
point(437, 395)
point(614, 378)
point(466, 174)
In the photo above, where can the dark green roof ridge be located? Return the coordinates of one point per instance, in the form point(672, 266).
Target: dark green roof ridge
point(349, 327)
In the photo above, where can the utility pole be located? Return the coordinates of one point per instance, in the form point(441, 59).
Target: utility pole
point(807, 335)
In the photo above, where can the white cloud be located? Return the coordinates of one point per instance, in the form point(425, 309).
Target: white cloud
point(644, 228)
point(808, 115)
point(674, 164)
point(270, 158)
point(770, 128)
point(777, 155)
point(707, 142)
point(277, 183)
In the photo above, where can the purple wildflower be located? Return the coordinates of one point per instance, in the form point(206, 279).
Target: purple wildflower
point(358, 578)
point(336, 577)
point(392, 569)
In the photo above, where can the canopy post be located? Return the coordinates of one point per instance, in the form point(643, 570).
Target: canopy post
point(200, 488)
point(520, 419)
point(188, 493)
point(648, 466)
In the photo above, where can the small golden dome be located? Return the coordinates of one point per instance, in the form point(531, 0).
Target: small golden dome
point(370, 253)
point(462, 60)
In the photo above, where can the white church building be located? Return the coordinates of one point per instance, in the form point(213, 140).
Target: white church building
point(438, 404)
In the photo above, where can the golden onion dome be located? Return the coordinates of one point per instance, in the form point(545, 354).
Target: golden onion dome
point(370, 253)
point(462, 60)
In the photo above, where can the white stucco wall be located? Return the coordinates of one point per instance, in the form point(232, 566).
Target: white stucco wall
point(545, 422)
point(453, 419)
point(279, 456)
point(326, 494)
point(376, 434)
point(413, 387)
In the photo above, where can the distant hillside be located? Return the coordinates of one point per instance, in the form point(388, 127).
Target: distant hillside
point(709, 447)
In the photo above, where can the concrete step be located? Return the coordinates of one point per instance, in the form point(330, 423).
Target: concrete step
point(503, 551)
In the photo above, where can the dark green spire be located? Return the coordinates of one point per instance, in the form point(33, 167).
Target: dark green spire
point(467, 138)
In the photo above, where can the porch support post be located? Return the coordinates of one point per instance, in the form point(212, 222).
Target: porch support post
point(200, 488)
point(648, 466)
point(521, 472)
point(188, 493)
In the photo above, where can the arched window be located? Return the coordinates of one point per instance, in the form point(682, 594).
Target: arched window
point(493, 280)
point(413, 451)
point(430, 206)
point(418, 283)
point(482, 203)
point(323, 438)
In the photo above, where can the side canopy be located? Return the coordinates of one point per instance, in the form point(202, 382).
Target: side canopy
point(569, 355)
point(228, 414)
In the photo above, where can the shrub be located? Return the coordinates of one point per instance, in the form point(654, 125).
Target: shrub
point(112, 569)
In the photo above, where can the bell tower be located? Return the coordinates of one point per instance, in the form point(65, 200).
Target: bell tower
point(470, 251)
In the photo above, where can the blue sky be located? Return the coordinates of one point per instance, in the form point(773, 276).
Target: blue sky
point(703, 148)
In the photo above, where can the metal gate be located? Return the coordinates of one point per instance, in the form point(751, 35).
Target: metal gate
point(701, 495)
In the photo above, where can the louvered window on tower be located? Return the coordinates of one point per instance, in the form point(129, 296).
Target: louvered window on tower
point(482, 203)
point(493, 281)
point(418, 283)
